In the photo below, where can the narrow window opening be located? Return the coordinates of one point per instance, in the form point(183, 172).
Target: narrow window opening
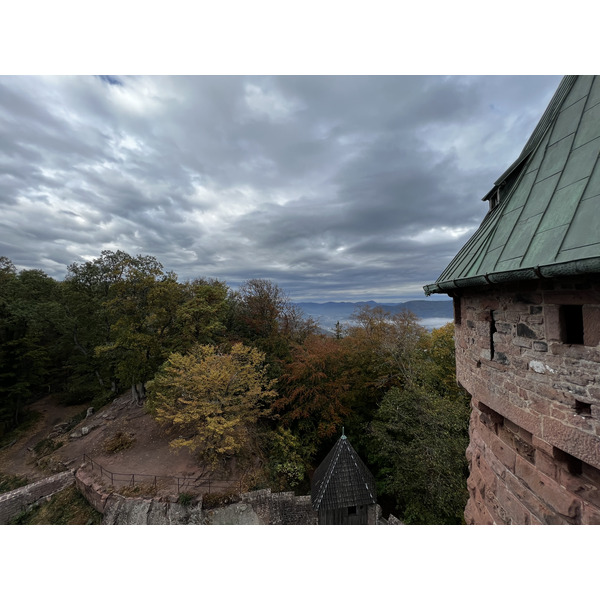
point(571, 324)
point(583, 408)
point(574, 465)
point(492, 332)
point(352, 510)
point(457, 313)
point(490, 418)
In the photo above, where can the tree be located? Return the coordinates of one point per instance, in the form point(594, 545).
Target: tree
point(418, 442)
point(141, 308)
point(419, 435)
point(317, 391)
point(31, 348)
point(288, 459)
point(202, 313)
point(264, 316)
point(212, 399)
point(389, 344)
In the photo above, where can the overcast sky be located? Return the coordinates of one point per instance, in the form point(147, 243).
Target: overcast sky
point(337, 188)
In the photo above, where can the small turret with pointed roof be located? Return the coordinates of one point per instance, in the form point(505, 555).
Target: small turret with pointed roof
point(342, 480)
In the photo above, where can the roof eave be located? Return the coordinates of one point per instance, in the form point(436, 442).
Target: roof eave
point(585, 266)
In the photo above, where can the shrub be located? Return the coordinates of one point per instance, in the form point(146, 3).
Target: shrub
point(46, 446)
point(11, 482)
point(185, 499)
point(218, 499)
point(119, 442)
point(67, 507)
point(139, 490)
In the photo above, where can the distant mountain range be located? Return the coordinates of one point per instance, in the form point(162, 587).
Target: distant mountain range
point(433, 313)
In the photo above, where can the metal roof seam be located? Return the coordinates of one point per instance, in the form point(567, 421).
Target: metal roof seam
point(570, 224)
point(539, 131)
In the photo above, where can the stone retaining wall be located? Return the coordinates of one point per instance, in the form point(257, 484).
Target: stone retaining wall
point(255, 508)
point(534, 447)
point(16, 501)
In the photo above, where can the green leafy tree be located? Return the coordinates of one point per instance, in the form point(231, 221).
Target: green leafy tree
point(288, 459)
point(419, 435)
point(141, 309)
point(213, 400)
point(419, 441)
point(202, 314)
point(31, 349)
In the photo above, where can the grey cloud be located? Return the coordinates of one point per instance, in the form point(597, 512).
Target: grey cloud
point(335, 187)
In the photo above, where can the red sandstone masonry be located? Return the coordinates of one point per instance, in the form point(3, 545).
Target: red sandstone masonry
point(546, 395)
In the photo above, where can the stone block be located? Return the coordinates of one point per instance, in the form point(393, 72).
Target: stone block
point(549, 491)
point(525, 419)
point(525, 331)
point(542, 445)
point(532, 502)
point(591, 515)
point(545, 463)
point(591, 325)
point(504, 453)
point(504, 328)
point(534, 320)
point(496, 509)
point(502, 358)
point(522, 342)
point(516, 511)
point(581, 444)
point(552, 322)
point(485, 354)
point(571, 296)
point(525, 450)
point(579, 486)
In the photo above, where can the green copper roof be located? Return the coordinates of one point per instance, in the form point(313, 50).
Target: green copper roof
point(547, 221)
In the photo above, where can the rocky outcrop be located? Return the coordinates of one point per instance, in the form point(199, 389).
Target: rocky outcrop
point(16, 501)
point(143, 511)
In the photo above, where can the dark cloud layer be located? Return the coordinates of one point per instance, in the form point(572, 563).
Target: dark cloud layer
point(348, 188)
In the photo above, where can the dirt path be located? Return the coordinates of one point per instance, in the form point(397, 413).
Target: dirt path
point(19, 459)
point(149, 454)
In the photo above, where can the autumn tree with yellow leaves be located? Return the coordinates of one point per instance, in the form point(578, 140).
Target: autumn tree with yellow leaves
point(212, 399)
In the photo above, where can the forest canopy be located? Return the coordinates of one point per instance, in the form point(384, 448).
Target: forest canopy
point(242, 373)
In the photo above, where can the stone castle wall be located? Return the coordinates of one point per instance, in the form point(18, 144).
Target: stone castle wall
point(254, 508)
point(534, 378)
point(16, 501)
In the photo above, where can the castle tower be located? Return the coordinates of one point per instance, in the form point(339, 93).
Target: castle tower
point(526, 290)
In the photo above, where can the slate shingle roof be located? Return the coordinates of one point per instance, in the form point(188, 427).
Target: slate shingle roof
point(342, 480)
point(547, 223)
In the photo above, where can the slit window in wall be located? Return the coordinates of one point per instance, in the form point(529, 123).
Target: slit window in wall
point(573, 464)
point(457, 313)
point(492, 332)
point(571, 323)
